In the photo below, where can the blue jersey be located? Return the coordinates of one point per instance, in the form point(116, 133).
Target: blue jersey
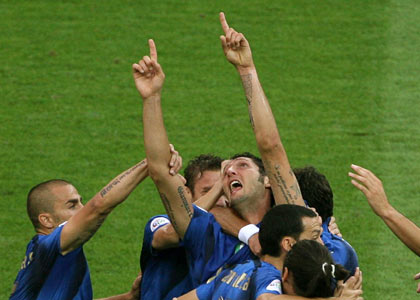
point(341, 251)
point(248, 280)
point(165, 272)
point(209, 248)
point(46, 274)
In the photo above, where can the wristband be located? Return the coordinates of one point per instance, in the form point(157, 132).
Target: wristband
point(246, 232)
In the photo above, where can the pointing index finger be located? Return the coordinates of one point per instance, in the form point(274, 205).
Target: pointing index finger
point(153, 51)
point(223, 22)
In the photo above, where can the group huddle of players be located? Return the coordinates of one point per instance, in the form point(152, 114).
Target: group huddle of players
point(238, 228)
point(268, 242)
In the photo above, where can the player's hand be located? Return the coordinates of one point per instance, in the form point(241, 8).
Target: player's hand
point(148, 74)
point(333, 227)
point(175, 164)
point(235, 46)
point(416, 277)
point(254, 244)
point(135, 289)
point(351, 289)
point(372, 187)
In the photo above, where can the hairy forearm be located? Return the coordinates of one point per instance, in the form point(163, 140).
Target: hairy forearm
point(403, 228)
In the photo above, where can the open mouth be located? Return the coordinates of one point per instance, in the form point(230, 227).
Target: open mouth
point(235, 186)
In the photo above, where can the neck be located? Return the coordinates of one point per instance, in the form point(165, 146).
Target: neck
point(44, 231)
point(254, 210)
point(277, 261)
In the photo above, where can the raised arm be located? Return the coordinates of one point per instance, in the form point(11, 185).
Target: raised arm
point(282, 179)
point(82, 226)
point(149, 78)
point(371, 186)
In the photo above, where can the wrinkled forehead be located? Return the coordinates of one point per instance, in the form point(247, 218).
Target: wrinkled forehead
point(238, 160)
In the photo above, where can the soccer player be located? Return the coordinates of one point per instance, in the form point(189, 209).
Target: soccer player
point(55, 266)
point(244, 179)
point(163, 258)
point(308, 270)
point(401, 226)
point(318, 194)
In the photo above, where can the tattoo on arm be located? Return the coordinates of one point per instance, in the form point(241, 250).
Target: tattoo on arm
point(169, 210)
point(247, 83)
point(185, 201)
point(281, 183)
point(115, 182)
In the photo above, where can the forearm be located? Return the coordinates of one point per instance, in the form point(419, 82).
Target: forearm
point(403, 228)
point(208, 201)
point(82, 226)
point(171, 189)
point(155, 138)
point(228, 220)
point(282, 179)
point(121, 186)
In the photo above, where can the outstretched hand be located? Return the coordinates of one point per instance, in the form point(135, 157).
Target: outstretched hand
point(235, 46)
point(351, 289)
point(416, 277)
point(148, 74)
point(372, 187)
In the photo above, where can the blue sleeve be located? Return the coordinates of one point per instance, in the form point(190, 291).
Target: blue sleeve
point(151, 228)
point(205, 291)
point(195, 237)
point(49, 245)
point(268, 282)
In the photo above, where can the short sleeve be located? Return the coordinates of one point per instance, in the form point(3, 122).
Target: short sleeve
point(268, 281)
point(195, 236)
point(49, 245)
point(205, 291)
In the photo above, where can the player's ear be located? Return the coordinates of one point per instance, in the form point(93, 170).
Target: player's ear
point(46, 220)
point(267, 182)
point(287, 243)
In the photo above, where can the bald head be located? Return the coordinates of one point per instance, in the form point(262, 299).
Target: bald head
point(41, 199)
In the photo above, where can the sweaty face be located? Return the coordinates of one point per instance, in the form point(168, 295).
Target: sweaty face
point(204, 183)
point(68, 202)
point(242, 180)
point(312, 229)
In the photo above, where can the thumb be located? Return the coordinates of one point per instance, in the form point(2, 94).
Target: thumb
point(224, 45)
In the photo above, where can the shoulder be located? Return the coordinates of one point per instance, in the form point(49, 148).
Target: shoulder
point(156, 222)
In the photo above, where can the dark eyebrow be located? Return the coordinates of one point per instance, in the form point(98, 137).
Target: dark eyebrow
point(73, 201)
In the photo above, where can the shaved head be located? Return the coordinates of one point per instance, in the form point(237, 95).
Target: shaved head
point(41, 199)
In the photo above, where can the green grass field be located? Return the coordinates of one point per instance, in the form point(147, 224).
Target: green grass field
point(342, 78)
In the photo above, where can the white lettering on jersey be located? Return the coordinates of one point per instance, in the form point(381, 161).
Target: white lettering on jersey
point(275, 285)
point(156, 223)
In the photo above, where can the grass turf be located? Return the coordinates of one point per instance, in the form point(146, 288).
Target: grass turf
point(341, 77)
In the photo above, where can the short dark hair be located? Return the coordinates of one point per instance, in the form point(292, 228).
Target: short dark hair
point(40, 199)
point(316, 190)
point(258, 161)
point(280, 221)
point(313, 269)
point(200, 164)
